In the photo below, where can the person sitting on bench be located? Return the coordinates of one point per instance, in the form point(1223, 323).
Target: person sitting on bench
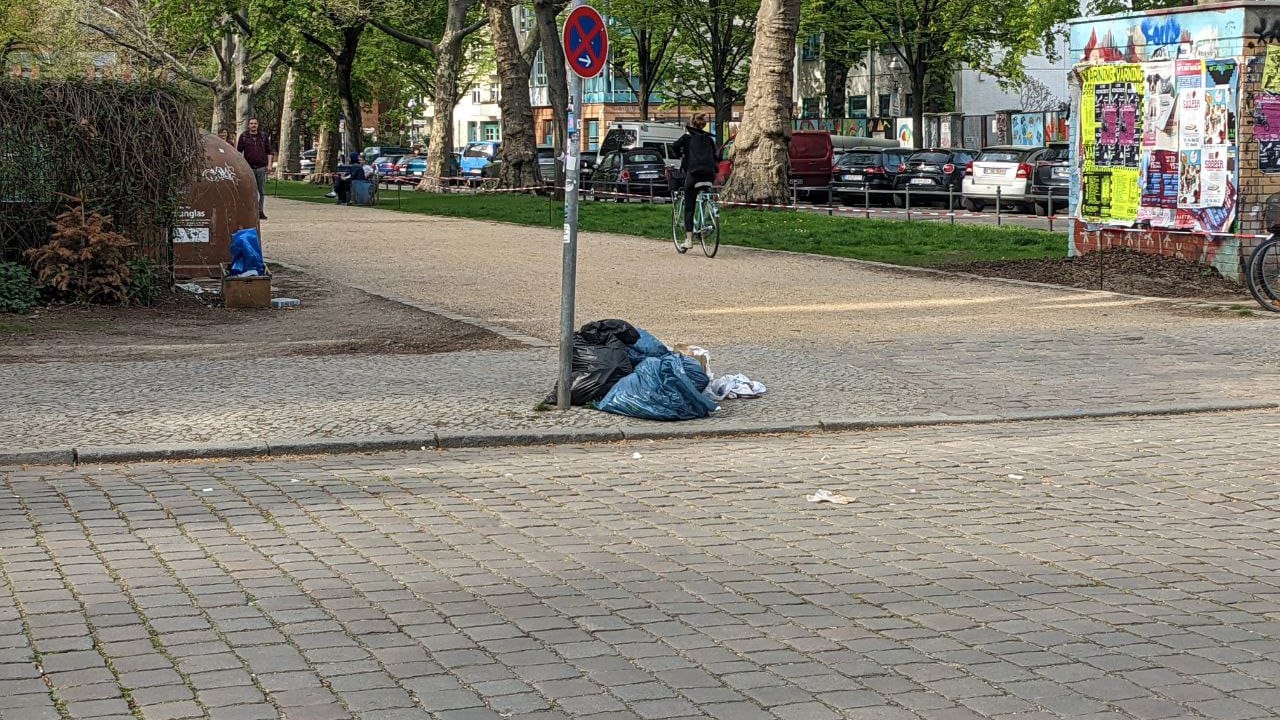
point(346, 174)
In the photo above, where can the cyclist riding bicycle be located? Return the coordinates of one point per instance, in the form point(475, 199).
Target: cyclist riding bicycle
point(697, 149)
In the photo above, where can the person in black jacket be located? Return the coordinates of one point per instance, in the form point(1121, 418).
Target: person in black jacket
point(346, 174)
point(697, 149)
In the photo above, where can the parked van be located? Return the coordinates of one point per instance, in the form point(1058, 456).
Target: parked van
point(376, 151)
point(477, 156)
point(656, 136)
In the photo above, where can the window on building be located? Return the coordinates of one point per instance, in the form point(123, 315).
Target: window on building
point(593, 135)
point(812, 47)
point(858, 106)
point(883, 103)
point(812, 107)
point(524, 19)
point(910, 104)
point(539, 70)
point(548, 133)
point(473, 131)
point(491, 132)
point(475, 95)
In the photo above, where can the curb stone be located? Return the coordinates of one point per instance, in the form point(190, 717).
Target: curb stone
point(573, 436)
point(46, 456)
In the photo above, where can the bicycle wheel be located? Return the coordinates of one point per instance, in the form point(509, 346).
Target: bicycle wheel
point(709, 222)
point(1263, 274)
point(677, 222)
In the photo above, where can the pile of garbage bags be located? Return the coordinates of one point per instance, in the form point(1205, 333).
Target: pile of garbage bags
point(619, 368)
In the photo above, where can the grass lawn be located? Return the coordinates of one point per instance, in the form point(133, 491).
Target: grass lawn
point(897, 242)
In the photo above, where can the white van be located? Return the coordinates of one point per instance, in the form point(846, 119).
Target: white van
point(656, 136)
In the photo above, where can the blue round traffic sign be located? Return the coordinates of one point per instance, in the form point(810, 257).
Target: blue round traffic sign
point(586, 42)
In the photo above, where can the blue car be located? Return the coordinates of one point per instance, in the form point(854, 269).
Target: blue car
point(411, 169)
point(476, 157)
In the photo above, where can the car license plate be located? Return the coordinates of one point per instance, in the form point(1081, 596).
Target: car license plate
point(992, 171)
point(647, 176)
point(853, 178)
point(1061, 172)
point(921, 181)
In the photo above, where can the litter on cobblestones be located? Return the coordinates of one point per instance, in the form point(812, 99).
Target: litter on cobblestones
point(636, 456)
point(207, 490)
point(1015, 477)
point(278, 303)
point(732, 387)
point(192, 288)
point(830, 497)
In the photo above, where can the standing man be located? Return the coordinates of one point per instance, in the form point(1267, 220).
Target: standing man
point(259, 152)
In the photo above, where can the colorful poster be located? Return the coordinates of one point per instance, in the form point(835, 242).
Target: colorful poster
point(906, 132)
point(1266, 130)
point(1095, 195)
point(1111, 115)
point(1213, 175)
point(1271, 70)
point(1126, 195)
point(1191, 109)
point(1189, 170)
point(1221, 81)
point(1159, 119)
point(1028, 129)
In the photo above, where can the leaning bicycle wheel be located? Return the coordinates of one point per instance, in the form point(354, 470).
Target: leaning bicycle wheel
point(677, 222)
point(709, 221)
point(1263, 274)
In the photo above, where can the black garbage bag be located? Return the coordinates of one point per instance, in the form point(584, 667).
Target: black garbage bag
point(599, 332)
point(597, 367)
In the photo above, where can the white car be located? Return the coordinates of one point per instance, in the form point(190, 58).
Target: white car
point(999, 172)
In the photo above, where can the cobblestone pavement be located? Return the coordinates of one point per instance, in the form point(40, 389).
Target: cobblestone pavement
point(1086, 570)
point(830, 339)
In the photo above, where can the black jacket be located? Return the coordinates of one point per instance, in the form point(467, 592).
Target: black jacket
point(697, 151)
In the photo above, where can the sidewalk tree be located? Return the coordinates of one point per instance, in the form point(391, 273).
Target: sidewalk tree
point(760, 158)
point(519, 166)
point(545, 18)
point(446, 44)
point(933, 37)
point(645, 34)
point(205, 42)
point(709, 65)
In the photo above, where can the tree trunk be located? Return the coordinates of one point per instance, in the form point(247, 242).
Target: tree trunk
point(244, 96)
point(918, 72)
point(836, 79)
point(760, 159)
point(448, 68)
point(224, 87)
point(545, 12)
point(351, 138)
point(325, 150)
point(519, 157)
point(288, 150)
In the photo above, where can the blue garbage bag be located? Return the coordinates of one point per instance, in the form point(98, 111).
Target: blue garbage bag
point(246, 252)
point(646, 347)
point(662, 388)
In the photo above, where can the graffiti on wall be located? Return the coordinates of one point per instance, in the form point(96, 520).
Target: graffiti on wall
point(1028, 129)
point(1203, 34)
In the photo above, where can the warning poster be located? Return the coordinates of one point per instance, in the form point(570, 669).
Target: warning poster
point(1191, 107)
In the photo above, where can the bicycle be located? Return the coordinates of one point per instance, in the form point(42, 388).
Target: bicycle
point(706, 220)
point(1262, 270)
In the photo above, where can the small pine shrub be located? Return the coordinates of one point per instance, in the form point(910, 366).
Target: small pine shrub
point(18, 292)
point(85, 260)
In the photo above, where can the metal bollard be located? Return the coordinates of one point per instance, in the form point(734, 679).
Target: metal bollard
point(951, 204)
point(1050, 215)
point(866, 200)
point(831, 194)
point(908, 201)
point(999, 217)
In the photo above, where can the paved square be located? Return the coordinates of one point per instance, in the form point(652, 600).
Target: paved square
point(1115, 569)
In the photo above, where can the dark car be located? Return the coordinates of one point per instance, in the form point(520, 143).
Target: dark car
point(868, 174)
point(547, 164)
point(385, 166)
point(630, 172)
point(1051, 178)
point(929, 174)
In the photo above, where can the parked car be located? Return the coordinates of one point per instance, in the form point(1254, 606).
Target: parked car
point(1051, 178)
point(385, 166)
point(868, 174)
point(476, 156)
point(307, 161)
point(812, 157)
point(631, 172)
point(1001, 171)
point(648, 135)
point(547, 164)
point(937, 175)
point(412, 169)
point(377, 151)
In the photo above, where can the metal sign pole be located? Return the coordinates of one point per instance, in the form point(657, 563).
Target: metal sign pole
point(569, 266)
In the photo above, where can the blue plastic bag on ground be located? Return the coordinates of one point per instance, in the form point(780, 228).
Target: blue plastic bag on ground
point(246, 253)
point(646, 347)
point(662, 388)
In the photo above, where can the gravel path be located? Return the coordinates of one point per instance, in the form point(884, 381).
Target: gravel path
point(741, 296)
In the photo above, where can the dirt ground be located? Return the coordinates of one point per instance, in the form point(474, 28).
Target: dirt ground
point(1123, 271)
point(333, 319)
